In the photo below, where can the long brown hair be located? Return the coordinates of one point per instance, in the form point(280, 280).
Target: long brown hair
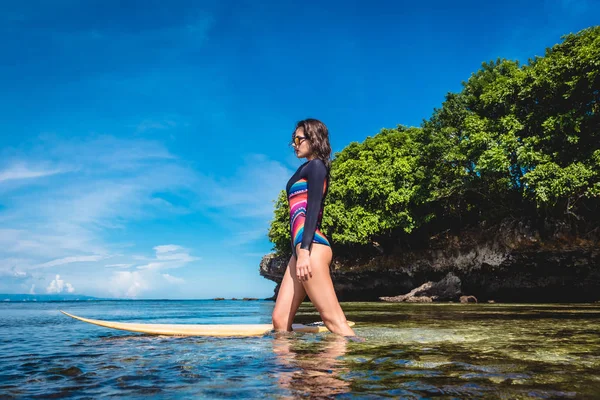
point(318, 137)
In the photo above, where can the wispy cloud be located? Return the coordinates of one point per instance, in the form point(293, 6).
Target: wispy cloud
point(167, 248)
point(250, 192)
point(112, 183)
point(12, 267)
point(148, 277)
point(23, 171)
point(118, 265)
point(69, 260)
point(64, 221)
point(169, 256)
point(133, 284)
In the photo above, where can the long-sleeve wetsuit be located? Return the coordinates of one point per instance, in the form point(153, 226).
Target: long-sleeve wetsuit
point(306, 191)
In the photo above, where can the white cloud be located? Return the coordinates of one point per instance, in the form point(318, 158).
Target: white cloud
point(58, 286)
point(166, 248)
point(128, 284)
point(183, 257)
point(20, 274)
point(12, 267)
point(267, 178)
point(69, 260)
point(111, 185)
point(169, 256)
point(133, 284)
point(22, 171)
point(32, 290)
point(118, 265)
point(148, 276)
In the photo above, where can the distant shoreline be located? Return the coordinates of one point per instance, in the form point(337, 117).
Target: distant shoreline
point(23, 298)
point(4, 299)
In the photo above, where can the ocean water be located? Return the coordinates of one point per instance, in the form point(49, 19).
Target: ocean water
point(442, 351)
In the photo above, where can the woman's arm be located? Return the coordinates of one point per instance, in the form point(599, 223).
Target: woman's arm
point(316, 174)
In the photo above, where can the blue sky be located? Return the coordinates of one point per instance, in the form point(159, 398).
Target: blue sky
point(143, 142)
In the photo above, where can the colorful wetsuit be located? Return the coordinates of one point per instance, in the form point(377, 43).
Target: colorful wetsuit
point(306, 191)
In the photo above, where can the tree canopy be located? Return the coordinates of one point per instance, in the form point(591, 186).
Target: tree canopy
point(517, 140)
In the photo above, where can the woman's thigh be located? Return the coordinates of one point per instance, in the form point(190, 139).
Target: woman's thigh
point(320, 286)
point(290, 296)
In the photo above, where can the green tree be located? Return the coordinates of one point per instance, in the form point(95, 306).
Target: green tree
point(516, 141)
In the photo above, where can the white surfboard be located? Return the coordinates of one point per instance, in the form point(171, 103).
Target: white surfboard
point(199, 329)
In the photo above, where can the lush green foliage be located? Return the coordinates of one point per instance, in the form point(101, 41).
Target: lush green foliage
point(517, 140)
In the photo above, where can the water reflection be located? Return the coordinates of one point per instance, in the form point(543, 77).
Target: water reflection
point(442, 351)
point(311, 367)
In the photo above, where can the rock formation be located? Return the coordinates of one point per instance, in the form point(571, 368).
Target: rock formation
point(509, 262)
point(444, 290)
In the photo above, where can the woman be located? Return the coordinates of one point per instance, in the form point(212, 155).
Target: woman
point(308, 269)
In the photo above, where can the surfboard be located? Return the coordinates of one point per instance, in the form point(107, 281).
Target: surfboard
point(199, 329)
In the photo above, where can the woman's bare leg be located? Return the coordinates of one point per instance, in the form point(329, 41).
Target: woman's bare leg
point(290, 296)
point(320, 289)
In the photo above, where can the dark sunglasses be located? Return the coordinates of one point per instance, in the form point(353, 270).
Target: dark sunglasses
point(299, 139)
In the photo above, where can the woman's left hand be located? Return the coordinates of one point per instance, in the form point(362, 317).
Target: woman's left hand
point(303, 270)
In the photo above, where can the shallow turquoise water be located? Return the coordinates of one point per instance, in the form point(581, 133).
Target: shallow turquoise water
point(411, 351)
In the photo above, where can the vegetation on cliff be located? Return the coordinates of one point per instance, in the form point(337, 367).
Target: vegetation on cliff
point(517, 141)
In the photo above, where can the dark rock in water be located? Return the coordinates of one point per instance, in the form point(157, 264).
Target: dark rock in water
point(410, 295)
point(273, 267)
point(468, 299)
point(219, 298)
point(446, 289)
point(513, 261)
point(249, 299)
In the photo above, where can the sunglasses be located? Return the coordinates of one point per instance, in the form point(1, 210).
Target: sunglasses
point(297, 140)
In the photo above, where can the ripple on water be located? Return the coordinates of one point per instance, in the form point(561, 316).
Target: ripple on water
point(441, 351)
point(420, 335)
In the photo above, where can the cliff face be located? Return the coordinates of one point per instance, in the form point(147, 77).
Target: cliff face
point(509, 262)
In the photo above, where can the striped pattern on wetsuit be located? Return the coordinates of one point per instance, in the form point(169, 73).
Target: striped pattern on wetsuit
point(306, 192)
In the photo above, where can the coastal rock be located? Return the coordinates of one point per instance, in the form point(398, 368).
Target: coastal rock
point(507, 262)
point(468, 299)
point(273, 267)
point(410, 295)
point(446, 289)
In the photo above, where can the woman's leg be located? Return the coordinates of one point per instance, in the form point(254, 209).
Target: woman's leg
point(290, 296)
point(319, 288)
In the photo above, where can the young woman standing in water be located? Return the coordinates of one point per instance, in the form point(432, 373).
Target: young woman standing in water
point(308, 269)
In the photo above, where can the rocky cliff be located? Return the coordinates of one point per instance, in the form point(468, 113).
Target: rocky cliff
point(508, 262)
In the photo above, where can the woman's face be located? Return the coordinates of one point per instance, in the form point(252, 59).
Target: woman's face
point(301, 143)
